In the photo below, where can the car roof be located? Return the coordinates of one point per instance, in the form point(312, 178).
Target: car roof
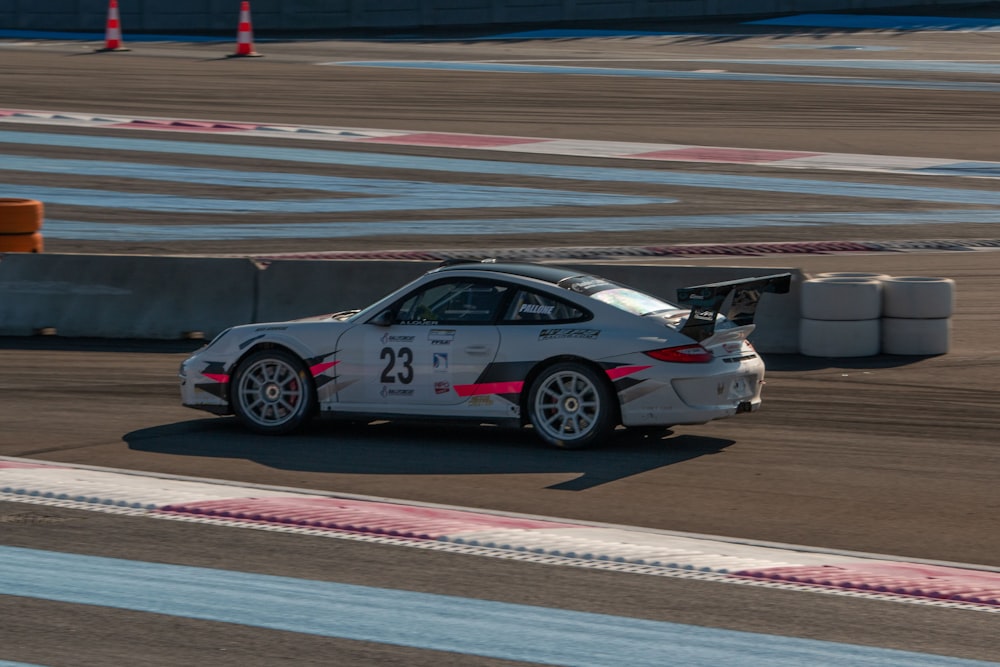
point(544, 272)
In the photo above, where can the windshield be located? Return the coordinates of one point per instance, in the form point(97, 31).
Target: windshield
point(623, 298)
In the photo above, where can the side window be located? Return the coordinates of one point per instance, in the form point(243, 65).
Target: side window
point(528, 306)
point(452, 302)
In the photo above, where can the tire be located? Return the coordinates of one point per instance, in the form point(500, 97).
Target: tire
point(272, 392)
point(571, 406)
point(20, 216)
point(830, 338)
point(916, 297)
point(842, 298)
point(21, 242)
point(916, 337)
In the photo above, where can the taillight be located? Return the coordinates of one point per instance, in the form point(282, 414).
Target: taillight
point(682, 354)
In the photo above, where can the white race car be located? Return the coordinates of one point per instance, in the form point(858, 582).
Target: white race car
point(571, 354)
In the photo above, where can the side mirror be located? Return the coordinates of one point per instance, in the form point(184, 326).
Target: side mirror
point(383, 319)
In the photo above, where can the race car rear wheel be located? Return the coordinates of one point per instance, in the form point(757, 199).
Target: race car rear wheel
point(272, 392)
point(571, 406)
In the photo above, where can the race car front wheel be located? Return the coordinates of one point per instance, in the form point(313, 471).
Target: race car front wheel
point(272, 392)
point(570, 406)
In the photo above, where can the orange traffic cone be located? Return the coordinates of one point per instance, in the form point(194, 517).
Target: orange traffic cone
point(113, 33)
point(244, 34)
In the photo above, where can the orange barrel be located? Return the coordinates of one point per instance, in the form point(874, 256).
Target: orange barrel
point(20, 222)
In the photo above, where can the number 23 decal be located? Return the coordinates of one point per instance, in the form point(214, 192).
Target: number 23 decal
point(402, 358)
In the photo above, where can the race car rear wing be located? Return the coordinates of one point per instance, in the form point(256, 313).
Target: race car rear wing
point(706, 302)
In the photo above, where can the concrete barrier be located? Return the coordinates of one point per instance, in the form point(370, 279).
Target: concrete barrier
point(154, 297)
point(301, 288)
point(122, 296)
point(271, 16)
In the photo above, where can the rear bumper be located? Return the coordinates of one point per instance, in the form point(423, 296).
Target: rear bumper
point(693, 400)
point(673, 416)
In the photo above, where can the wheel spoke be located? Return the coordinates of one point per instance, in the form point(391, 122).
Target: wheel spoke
point(569, 426)
point(551, 392)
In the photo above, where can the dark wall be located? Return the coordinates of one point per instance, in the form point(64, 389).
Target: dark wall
point(214, 16)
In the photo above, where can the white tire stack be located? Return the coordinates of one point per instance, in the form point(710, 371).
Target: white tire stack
point(852, 274)
point(916, 315)
point(841, 316)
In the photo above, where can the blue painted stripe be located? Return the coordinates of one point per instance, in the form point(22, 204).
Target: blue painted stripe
point(432, 197)
point(571, 33)
point(599, 174)
point(835, 47)
point(360, 194)
point(990, 169)
point(102, 231)
point(420, 620)
point(950, 66)
point(515, 68)
point(881, 22)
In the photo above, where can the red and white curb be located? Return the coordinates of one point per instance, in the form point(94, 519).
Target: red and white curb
point(508, 536)
point(624, 252)
point(543, 146)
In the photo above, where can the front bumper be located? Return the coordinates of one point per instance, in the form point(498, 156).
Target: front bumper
point(201, 391)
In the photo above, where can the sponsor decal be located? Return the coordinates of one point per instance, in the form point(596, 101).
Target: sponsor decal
point(441, 336)
point(536, 309)
point(419, 323)
point(704, 315)
point(440, 362)
point(442, 387)
point(552, 334)
point(481, 389)
point(481, 401)
point(732, 347)
point(387, 392)
point(272, 328)
point(386, 338)
point(316, 369)
point(623, 371)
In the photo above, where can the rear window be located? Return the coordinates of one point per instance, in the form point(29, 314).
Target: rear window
point(613, 294)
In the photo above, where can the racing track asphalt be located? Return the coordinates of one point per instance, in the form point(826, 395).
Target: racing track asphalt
point(887, 455)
